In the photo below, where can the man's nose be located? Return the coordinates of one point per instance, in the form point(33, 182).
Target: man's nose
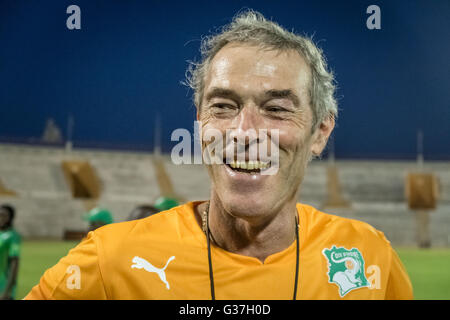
point(248, 123)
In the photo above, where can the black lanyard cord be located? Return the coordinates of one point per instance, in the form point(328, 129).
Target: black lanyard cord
point(208, 242)
point(297, 259)
point(211, 275)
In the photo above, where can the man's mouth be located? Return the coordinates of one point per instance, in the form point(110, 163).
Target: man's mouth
point(248, 166)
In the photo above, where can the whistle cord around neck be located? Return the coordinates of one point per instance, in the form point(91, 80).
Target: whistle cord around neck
point(206, 230)
point(208, 241)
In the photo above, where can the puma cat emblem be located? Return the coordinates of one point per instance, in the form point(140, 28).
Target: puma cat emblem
point(140, 263)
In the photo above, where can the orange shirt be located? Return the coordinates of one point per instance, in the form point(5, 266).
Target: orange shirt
point(165, 256)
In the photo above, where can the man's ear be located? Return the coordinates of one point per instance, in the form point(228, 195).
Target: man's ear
point(321, 135)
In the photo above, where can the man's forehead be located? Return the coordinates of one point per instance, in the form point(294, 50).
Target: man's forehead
point(242, 63)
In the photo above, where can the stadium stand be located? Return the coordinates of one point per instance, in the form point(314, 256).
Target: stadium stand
point(46, 206)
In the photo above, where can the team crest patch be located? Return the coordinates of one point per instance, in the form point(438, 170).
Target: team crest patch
point(345, 269)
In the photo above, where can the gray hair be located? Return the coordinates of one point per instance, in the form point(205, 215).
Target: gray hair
point(253, 28)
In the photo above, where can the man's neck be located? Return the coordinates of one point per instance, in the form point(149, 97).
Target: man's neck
point(257, 238)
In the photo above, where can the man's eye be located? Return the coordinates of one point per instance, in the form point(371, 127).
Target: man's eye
point(223, 106)
point(275, 109)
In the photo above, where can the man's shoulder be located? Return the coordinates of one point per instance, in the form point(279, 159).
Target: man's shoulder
point(10, 234)
point(339, 227)
point(162, 224)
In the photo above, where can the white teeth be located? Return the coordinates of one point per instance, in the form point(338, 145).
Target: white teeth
point(250, 165)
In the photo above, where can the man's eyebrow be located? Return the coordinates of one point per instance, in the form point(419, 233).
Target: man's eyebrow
point(217, 92)
point(283, 94)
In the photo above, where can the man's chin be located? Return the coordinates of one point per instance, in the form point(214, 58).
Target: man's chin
point(243, 194)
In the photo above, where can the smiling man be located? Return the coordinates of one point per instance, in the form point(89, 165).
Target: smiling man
point(251, 240)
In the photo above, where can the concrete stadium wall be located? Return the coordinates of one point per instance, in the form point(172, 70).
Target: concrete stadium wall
point(45, 207)
point(375, 190)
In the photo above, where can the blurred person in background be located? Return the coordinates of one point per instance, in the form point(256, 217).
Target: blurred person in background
point(98, 217)
point(146, 210)
point(142, 211)
point(165, 203)
point(9, 253)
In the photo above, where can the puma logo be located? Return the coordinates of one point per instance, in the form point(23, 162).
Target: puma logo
point(141, 263)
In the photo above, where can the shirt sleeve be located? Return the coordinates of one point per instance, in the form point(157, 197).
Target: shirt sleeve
point(399, 285)
point(76, 276)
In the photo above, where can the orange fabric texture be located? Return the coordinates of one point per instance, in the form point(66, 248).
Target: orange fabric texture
point(164, 256)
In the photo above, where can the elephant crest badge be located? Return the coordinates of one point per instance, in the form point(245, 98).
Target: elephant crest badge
point(345, 269)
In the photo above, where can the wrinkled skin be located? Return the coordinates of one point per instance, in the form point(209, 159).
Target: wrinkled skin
point(249, 88)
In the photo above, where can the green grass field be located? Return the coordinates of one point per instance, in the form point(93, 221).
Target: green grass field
point(35, 258)
point(429, 270)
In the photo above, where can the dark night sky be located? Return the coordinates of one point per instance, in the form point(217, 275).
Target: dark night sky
point(126, 63)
